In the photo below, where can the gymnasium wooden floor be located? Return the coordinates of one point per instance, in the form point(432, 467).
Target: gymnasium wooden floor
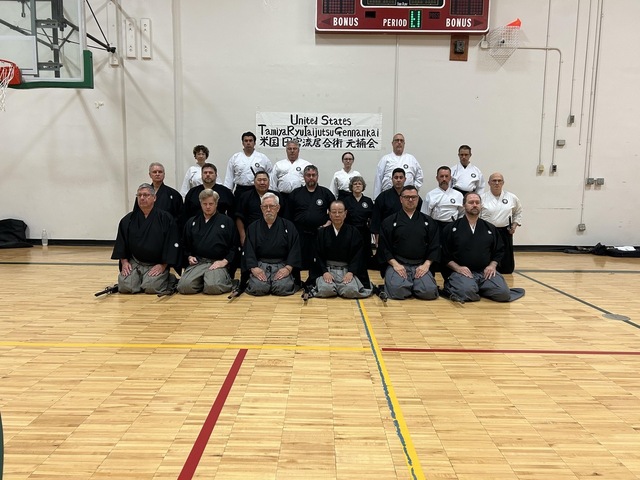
point(141, 387)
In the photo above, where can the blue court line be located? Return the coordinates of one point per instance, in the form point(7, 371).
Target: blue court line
point(584, 302)
point(410, 454)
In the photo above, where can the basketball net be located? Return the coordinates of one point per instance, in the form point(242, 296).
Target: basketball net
point(6, 75)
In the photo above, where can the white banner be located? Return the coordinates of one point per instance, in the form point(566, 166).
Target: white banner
point(341, 131)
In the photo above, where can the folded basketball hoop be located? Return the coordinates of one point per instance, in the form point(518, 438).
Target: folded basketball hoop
point(503, 41)
point(9, 75)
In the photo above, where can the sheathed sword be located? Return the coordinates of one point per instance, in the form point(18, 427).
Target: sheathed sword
point(108, 290)
point(379, 291)
point(236, 291)
point(306, 294)
point(168, 292)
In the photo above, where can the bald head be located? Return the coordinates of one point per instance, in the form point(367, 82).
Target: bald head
point(496, 181)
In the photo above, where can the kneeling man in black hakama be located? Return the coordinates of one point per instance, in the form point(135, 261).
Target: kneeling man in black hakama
point(473, 249)
point(271, 252)
point(340, 267)
point(408, 244)
point(146, 246)
point(210, 243)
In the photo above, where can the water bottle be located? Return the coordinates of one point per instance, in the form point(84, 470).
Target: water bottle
point(45, 237)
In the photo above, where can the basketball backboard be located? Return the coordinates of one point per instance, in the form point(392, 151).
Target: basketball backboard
point(47, 40)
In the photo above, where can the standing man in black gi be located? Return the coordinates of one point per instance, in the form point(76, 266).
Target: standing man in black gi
point(167, 198)
point(226, 202)
point(309, 209)
point(388, 202)
point(146, 246)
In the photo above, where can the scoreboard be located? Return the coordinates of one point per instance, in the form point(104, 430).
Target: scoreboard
point(402, 16)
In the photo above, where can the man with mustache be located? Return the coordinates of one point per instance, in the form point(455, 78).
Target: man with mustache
point(443, 204)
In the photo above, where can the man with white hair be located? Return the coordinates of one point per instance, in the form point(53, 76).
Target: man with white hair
point(288, 174)
point(502, 209)
point(167, 198)
point(271, 253)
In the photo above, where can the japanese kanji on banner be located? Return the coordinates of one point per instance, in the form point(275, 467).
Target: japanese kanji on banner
point(352, 131)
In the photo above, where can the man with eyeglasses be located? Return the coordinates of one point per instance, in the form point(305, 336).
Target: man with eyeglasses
point(248, 204)
point(271, 253)
point(397, 159)
point(466, 177)
point(504, 211)
point(409, 243)
point(146, 246)
point(472, 249)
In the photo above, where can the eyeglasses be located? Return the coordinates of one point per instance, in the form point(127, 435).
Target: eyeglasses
point(409, 197)
point(269, 207)
point(496, 181)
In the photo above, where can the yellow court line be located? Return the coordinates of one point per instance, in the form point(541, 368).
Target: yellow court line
point(194, 346)
point(411, 456)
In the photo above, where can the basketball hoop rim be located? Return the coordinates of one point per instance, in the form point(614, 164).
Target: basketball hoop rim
point(8, 64)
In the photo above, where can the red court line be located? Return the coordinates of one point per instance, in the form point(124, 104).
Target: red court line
point(480, 350)
point(192, 461)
